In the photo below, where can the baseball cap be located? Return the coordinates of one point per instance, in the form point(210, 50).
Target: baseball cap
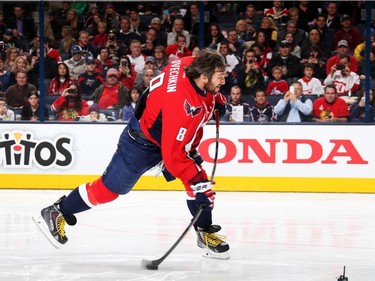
point(76, 49)
point(345, 17)
point(150, 59)
point(90, 59)
point(284, 44)
point(112, 72)
point(343, 43)
point(94, 107)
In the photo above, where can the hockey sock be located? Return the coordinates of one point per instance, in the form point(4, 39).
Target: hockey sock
point(205, 219)
point(73, 203)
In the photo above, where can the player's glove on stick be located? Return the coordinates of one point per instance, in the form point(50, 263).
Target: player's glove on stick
point(196, 157)
point(220, 104)
point(204, 194)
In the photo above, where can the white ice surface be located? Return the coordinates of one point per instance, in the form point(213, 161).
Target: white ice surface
point(273, 237)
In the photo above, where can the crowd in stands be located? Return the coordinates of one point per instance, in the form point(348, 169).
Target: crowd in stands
point(287, 61)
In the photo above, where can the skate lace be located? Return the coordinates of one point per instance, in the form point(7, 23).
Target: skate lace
point(60, 223)
point(213, 239)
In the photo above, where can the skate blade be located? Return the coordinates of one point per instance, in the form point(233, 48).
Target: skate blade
point(206, 253)
point(41, 224)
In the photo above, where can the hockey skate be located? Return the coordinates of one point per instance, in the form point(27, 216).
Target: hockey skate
point(52, 224)
point(212, 243)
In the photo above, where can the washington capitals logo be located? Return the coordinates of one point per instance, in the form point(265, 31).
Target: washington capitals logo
point(189, 109)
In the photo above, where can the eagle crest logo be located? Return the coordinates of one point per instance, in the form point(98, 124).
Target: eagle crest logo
point(192, 110)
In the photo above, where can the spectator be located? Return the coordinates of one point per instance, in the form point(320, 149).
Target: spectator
point(148, 75)
point(243, 32)
point(23, 27)
point(5, 113)
point(150, 63)
point(231, 60)
point(4, 75)
point(20, 63)
point(136, 25)
point(161, 35)
point(298, 33)
point(88, 22)
point(310, 84)
point(178, 49)
point(74, 21)
point(87, 47)
point(358, 109)
point(92, 29)
point(61, 81)
point(191, 19)
point(31, 111)
point(262, 111)
point(362, 66)
point(333, 18)
point(76, 63)
point(128, 110)
point(11, 41)
point(111, 17)
point(116, 48)
point(263, 57)
point(295, 49)
point(330, 108)
point(249, 75)
point(10, 58)
point(91, 79)
point(51, 52)
point(360, 50)
point(252, 18)
point(147, 48)
point(277, 86)
point(66, 42)
point(125, 34)
point(213, 36)
point(294, 107)
point(314, 38)
point(236, 108)
point(307, 14)
point(94, 115)
point(327, 34)
point(345, 80)
point(16, 95)
point(161, 58)
point(137, 59)
point(101, 38)
point(235, 44)
point(348, 33)
point(269, 28)
point(69, 106)
point(278, 13)
point(178, 28)
point(112, 94)
point(342, 49)
point(104, 61)
point(290, 64)
point(127, 73)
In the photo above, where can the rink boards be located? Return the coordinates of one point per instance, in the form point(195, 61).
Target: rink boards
point(262, 157)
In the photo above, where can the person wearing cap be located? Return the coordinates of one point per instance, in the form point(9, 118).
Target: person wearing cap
point(112, 94)
point(94, 115)
point(178, 49)
point(150, 63)
point(10, 40)
point(291, 65)
point(342, 49)
point(76, 63)
point(348, 33)
point(91, 79)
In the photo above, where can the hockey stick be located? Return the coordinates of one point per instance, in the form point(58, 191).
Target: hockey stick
point(154, 264)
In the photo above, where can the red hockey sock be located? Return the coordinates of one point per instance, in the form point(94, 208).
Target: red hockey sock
point(96, 193)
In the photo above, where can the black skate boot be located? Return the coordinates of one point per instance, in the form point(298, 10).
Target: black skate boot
point(52, 222)
point(212, 243)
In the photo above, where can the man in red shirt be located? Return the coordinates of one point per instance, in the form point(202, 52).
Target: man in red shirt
point(330, 108)
point(167, 126)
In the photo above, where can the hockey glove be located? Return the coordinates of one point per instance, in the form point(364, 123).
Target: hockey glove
point(196, 157)
point(204, 194)
point(220, 104)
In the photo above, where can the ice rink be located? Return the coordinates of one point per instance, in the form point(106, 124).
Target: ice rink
point(273, 237)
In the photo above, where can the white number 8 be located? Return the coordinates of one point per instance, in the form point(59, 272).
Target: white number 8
point(181, 134)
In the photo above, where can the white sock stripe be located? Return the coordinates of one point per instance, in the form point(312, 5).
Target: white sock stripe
point(83, 192)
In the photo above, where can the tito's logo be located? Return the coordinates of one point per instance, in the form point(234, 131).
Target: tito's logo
point(20, 150)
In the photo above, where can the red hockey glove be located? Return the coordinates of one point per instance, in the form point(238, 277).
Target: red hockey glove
point(204, 194)
point(220, 104)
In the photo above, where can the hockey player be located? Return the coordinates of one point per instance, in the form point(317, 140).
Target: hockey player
point(167, 126)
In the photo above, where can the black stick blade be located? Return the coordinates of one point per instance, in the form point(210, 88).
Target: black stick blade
point(150, 265)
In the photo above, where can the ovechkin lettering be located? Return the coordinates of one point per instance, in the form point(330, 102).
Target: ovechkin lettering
point(267, 152)
point(20, 150)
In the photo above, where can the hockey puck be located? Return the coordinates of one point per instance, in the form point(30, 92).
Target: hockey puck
point(149, 265)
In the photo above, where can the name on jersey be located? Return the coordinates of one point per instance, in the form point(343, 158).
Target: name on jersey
point(173, 76)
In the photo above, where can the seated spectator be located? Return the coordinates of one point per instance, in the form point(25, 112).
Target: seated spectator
point(148, 75)
point(278, 13)
point(66, 43)
point(345, 80)
point(299, 35)
point(178, 28)
point(243, 32)
point(249, 75)
point(5, 113)
point(10, 57)
point(327, 34)
point(94, 115)
point(252, 18)
point(136, 25)
point(61, 81)
point(115, 47)
point(69, 106)
point(277, 86)
point(87, 47)
point(21, 62)
point(294, 107)
point(295, 49)
point(31, 111)
point(16, 95)
point(104, 61)
point(149, 42)
point(262, 111)
point(362, 66)
point(178, 49)
point(127, 73)
point(91, 79)
point(269, 28)
point(111, 16)
point(358, 109)
point(112, 94)
point(235, 44)
point(125, 34)
point(149, 64)
point(264, 54)
point(236, 108)
point(342, 49)
point(128, 110)
point(310, 84)
point(292, 68)
point(313, 57)
point(231, 60)
point(161, 58)
point(348, 33)
point(213, 36)
point(137, 59)
point(161, 35)
point(101, 38)
point(330, 108)
point(76, 63)
point(333, 17)
point(4, 75)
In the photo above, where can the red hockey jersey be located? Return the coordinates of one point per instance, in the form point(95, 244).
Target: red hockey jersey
point(176, 110)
